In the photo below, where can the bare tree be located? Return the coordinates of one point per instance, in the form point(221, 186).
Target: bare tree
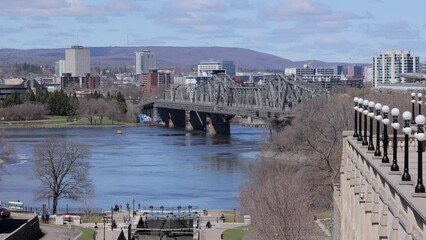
point(25, 111)
point(113, 113)
point(88, 109)
point(279, 201)
point(102, 108)
point(62, 168)
point(314, 138)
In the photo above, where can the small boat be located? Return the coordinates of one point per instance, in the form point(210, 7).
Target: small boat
point(119, 131)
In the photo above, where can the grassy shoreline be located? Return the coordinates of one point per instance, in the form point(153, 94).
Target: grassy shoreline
point(64, 122)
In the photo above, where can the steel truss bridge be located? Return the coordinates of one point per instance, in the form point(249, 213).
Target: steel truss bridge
point(221, 98)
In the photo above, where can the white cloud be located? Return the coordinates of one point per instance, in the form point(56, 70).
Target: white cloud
point(391, 30)
point(45, 8)
point(196, 5)
point(308, 16)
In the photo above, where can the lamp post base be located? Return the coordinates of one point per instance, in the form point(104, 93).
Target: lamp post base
point(406, 176)
point(377, 153)
point(420, 188)
point(385, 159)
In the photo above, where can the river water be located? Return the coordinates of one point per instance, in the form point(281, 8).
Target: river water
point(154, 166)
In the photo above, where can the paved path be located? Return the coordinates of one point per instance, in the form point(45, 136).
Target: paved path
point(59, 232)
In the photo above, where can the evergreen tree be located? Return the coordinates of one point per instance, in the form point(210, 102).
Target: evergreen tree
point(30, 97)
point(121, 102)
point(13, 99)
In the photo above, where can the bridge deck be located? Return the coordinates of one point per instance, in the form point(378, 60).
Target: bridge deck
point(249, 111)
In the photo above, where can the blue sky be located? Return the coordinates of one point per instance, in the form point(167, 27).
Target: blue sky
point(329, 30)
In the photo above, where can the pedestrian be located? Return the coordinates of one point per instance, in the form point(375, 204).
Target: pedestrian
point(208, 224)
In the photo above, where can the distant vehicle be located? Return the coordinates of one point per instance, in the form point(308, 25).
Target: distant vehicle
point(144, 118)
point(4, 213)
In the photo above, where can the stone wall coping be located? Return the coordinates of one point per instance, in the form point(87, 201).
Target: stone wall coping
point(418, 205)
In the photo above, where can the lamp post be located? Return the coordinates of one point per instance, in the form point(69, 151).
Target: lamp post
point(133, 213)
point(419, 95)
point(104, 228)
point(371, 115)
point(413, 102)
point(420, 136)
point(395, 126)
point(407, 116)
point(356, 117)
point(385, 121)
point(112, 219)
point(365, 112)
point(378, 107)
point(360, 101)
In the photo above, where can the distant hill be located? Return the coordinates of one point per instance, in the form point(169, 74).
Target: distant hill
point(168, 57)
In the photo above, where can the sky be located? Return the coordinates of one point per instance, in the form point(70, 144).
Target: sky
point(327, 30)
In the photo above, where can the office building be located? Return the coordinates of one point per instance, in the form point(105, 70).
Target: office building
point(299, 71)
point(388, 65)
point(206, 68)
point(164, 77)
point(145, 61)
point(77, 61)
point(338, 70)
point(324, 71)
point(59, 68)
point(355, 71)
point(155, 78)
point(368, 74)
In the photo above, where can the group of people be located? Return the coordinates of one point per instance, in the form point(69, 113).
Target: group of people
point(45, 217)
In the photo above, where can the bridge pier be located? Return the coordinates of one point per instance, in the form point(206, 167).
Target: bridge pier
point(171, 117)
point(219, 124)
point(196, 120)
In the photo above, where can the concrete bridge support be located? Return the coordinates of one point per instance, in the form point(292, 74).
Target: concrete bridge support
point(171, 117)
point(196, 120)
point(219, 124)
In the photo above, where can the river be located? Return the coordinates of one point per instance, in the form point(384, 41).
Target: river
point(154, 166)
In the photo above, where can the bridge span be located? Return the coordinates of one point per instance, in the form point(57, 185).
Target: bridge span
point(211, 105)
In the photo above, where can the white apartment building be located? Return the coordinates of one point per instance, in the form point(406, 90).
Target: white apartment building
point(389, 64)
point(145, 61)
point(77, 61)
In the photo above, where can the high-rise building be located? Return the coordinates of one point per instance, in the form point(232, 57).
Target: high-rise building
point(77, 61)
point(355, 71)
point(368, 74)
point(338, 70)
point(206, 68)
point(164, 77)
point(388, 65)
point(145, 61)
point(59, 68)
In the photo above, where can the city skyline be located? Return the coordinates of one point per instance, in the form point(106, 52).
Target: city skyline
point(334, 31)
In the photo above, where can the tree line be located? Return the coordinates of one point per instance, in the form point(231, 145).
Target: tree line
point(32, 106)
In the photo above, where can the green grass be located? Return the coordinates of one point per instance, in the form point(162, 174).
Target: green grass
point(64, 120)
point(57, 120)
point(229, 216)
point(237, 233)
point(94, 218)
point(87, 234)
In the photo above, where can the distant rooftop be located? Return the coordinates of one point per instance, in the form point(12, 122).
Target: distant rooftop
point(77, 47)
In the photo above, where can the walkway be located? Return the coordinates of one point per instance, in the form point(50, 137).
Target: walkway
point(54, 232)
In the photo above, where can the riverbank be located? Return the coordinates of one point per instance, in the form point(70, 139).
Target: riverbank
point(65, 122)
